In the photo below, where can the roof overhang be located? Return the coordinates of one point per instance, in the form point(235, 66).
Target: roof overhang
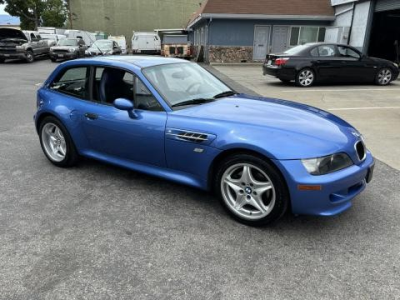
point(260, 17)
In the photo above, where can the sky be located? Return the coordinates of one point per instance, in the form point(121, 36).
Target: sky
point(2, 12)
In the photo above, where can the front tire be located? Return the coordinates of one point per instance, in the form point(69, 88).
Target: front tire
point(305, 77)
point(56, 143)
point(384, 76)
point(251, 189)
point(29, 56)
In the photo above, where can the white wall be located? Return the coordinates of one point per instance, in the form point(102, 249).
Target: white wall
point(360, 24)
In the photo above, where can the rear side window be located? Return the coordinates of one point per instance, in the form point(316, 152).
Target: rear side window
point(327, 50)
point(74, 82)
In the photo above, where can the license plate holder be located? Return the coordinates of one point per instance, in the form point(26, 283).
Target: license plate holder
point(60, 55)
point(370, 173)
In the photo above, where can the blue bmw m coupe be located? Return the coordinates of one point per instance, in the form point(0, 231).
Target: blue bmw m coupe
point(172, 119)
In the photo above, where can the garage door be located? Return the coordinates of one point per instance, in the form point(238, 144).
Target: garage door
point(385, 5)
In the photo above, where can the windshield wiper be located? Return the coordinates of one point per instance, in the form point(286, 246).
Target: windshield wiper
point(193, 101)
point(225, 94)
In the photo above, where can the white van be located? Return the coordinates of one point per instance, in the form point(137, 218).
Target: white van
point(121, 41)
point(146, 42)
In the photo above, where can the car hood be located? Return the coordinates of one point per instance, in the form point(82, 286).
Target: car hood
point(64, 47)
point(289, 130)
point(381, 60)
point(10, 33)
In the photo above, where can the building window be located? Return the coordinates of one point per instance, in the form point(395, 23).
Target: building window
point(306, 34)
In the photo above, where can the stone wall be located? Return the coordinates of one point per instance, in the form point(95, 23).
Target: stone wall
point(227, 54)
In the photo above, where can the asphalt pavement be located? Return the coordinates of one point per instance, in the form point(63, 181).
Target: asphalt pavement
point(100, 232)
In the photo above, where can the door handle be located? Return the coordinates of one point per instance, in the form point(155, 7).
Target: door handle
point(91, 116)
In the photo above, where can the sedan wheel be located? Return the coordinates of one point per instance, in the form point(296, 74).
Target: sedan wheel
point(56, 143)
point(305, 78)
point(251, 190)
point(384, 76)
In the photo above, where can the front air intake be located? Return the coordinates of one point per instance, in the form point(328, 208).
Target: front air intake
point(361, 151)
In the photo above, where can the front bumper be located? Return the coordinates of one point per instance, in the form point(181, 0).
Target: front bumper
point(66, 55)
point(13, 55)
point(337, 188)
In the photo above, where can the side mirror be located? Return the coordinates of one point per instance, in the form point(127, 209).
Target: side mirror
point(125, 104)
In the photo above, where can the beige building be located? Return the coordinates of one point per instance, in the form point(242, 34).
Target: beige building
point(121, 17)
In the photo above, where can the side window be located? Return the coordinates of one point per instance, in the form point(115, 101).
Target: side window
point(144, 99)
point(110, 84)
point(74, 82)
point(348, 53)
point(327, 51)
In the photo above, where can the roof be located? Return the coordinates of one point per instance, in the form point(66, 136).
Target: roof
point(141, 61)
point(252, 9)
point(9, 20)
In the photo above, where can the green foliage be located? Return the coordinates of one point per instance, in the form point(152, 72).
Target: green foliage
point(34, 13)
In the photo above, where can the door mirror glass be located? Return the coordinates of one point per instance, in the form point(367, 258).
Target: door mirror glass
point(123, 104)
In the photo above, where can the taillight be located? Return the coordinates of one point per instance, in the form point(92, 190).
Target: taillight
point(281, 61)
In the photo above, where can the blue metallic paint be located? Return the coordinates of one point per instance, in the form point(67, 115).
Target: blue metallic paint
point(283, 131)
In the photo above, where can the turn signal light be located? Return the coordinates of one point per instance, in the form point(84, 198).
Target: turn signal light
point(303, 187)
point(281, 61)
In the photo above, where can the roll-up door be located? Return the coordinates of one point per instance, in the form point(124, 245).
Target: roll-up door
point(385, 5)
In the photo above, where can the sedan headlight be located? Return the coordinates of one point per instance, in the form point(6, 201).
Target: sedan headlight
point(71, 49)
point(327, 164)
point(396, 65)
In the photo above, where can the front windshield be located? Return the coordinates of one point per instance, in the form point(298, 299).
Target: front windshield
point(181, 82)
point(102, 44)
point(68, 42)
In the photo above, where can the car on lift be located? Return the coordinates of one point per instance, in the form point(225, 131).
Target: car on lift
point(68, 49)
point(17, 44)
point(171, 118)
point(324, 62)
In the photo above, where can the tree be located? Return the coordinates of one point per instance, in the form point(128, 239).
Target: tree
point(34, 13)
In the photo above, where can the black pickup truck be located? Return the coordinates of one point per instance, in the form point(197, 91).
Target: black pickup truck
point(15, 43)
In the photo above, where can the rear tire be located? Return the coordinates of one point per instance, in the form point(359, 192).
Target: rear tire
point(251, 189)
point(56, 143)
point(384, 77)
point(29, 56)
point(305, 77)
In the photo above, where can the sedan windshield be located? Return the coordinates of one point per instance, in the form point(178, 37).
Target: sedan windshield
point(102, 45)
point(68, 42)
point(186, 84)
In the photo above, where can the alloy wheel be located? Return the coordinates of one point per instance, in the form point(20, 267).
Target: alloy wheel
point(384, 76)
point(306, 77)
point(54, 142)
point(248, 191)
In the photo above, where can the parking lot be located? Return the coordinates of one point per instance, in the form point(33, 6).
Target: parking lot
point(100, 232)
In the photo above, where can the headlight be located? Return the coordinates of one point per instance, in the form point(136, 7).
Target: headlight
point(327, 164)
point(396, 65)
point(71, 49)
point(51, 49)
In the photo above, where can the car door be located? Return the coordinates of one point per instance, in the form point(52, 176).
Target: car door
point(355, 66)
point(135, 137)
point(326, 62)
